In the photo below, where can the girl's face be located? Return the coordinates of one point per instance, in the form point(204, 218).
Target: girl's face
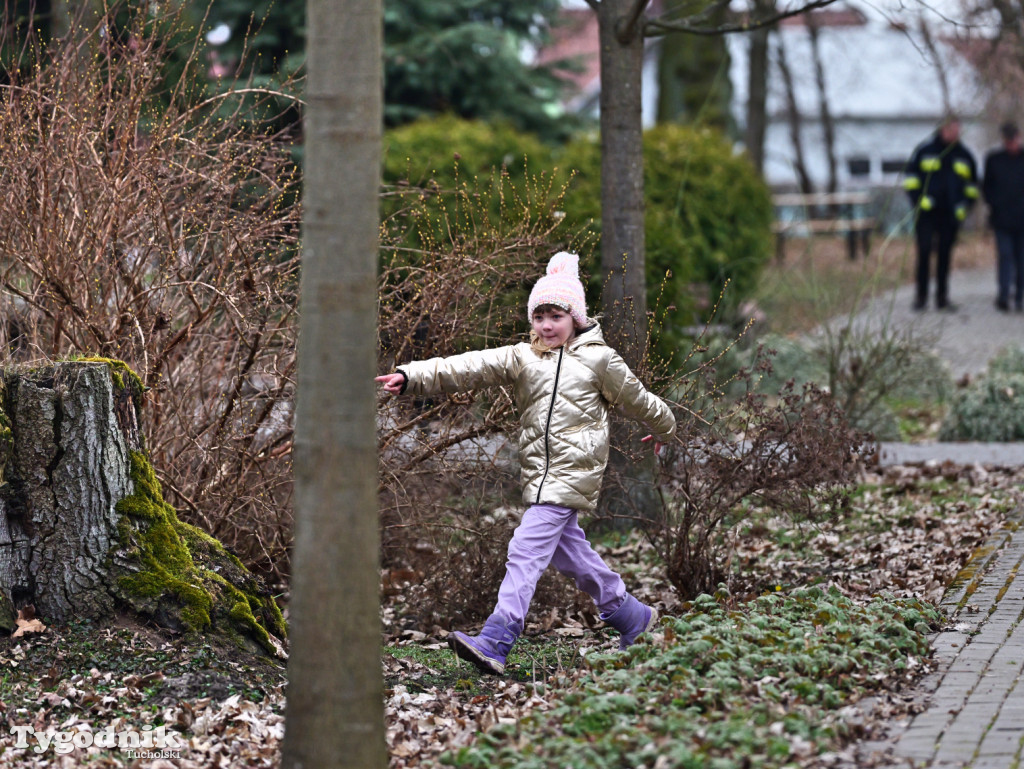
point(553, 325)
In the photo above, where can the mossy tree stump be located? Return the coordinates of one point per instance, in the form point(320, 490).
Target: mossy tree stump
point(84, 529)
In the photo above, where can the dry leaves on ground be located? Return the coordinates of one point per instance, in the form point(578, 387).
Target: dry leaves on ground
point(910, 538)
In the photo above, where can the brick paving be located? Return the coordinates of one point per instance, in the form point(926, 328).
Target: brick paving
point(973, 716)
point(974, 699)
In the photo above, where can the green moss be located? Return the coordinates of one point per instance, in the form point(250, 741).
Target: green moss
point(173, 556)
point(241, 612)
point(122, 374)
point(6, 441)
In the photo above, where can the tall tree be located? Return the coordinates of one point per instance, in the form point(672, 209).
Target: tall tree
point(335, 692)
point(463, 57)
point(757, 87)
point(693, 79)
point(624, 24)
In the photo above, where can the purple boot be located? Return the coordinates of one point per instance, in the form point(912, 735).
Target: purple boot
point(631, 619)
point(488, 650)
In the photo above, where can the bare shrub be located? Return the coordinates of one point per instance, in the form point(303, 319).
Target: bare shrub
point(154, 222)
point(794, 454)
point(792, 451)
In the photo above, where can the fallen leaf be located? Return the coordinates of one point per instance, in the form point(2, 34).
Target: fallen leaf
point(27, 623)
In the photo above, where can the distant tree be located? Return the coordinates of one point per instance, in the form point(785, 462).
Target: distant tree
point(693, 79)
point(794, 119)
point(757, 88)
point(467, 57)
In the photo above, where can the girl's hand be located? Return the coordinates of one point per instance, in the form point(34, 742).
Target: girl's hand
point(658, 445)
point(392, 383)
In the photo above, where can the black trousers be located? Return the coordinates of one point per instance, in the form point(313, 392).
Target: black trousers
point(938, 229)
point(1010, 248)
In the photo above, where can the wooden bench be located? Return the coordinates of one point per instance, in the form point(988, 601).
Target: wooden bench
point(824, 213)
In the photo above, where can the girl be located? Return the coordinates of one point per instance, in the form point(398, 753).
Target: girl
point(564, 382)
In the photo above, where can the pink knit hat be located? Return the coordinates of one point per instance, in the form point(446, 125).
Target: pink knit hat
point(562, 288)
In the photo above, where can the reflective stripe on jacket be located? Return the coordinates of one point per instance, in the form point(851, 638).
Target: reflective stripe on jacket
point(942, 177)
point(562, 397)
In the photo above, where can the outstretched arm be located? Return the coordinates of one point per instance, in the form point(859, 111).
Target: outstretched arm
point(623, 389)
point(456, 373)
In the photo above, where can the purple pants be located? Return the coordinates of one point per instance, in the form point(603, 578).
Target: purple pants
point(549, 534)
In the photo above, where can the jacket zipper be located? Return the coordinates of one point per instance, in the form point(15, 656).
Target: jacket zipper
point(547, 426)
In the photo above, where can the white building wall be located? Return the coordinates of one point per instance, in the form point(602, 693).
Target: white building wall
point(884, 95)
point(869, 153)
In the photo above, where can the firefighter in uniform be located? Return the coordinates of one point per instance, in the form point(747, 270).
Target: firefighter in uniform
point(941, 180)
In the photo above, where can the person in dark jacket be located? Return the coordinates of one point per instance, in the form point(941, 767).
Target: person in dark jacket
point(1003, 188)
point(941, 180)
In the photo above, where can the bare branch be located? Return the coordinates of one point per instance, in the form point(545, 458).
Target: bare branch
point(744, 22)
point(626, 27)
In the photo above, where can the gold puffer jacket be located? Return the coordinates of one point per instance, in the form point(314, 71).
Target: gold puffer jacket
point(562, 396)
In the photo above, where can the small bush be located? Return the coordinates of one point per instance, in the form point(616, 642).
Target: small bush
point(451, 184)
point(446, 153)
point(1007, 361)
point(991, 410)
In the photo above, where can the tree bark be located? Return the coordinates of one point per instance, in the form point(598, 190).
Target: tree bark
point(757, 89)
point(629, 492)
point(795, 122)
point(84, 529)
point(622, 182)
point(335, 689)
point(67, 470)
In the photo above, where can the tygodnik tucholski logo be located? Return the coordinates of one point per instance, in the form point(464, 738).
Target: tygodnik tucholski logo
point(147, 742)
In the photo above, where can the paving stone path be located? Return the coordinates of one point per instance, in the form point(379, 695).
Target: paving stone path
point(974, 700)
point(967, 338)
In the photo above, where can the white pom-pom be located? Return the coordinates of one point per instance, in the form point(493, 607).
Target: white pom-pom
point(564, 263)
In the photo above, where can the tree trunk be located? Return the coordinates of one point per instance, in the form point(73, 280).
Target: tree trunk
point(828, 126)
point(622, 182)
point(84, 529)
point(68, 469)
point(757, 90)
point(335, 687)
point(629, 490)
point(795, 122)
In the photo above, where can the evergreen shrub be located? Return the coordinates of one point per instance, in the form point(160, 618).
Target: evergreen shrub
point(1008, 361)
point(451, 152)
point(708, 220)
point(454, 179)
point(992, 408)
